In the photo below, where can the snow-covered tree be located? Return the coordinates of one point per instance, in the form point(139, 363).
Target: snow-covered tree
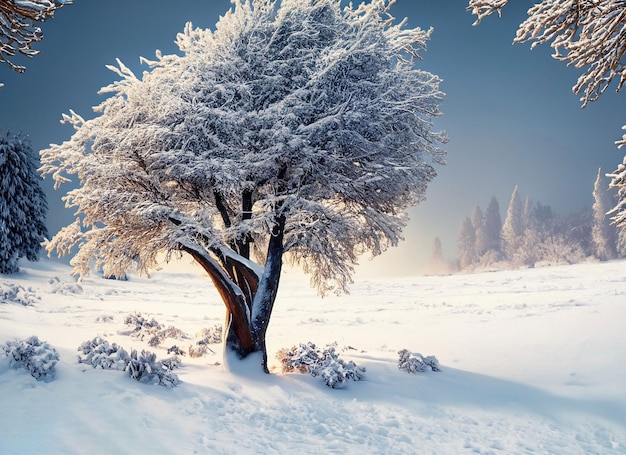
point(297, 130)
point(18, 29)
point(466, 244)
point(437, 251)
point(513, 226)
point(493, 228)
point(437, 264)
point(23, 205)
point(602, 236)
point(584, 34)
point(618, 181)
point(482, 241)
point(528, 212)
point(621, 243)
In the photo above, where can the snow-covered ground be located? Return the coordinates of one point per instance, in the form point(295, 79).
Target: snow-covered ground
point(533, 362)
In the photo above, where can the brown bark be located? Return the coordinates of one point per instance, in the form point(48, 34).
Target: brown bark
point(236, 307)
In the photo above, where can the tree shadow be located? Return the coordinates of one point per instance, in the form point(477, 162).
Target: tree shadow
point(464, 389)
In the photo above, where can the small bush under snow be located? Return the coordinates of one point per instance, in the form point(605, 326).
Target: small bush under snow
point(413, 362)
point(307, 358)
point(99, 353)
point(145, 368)
point(38, 357)
point(150, 330)
point(56, 286)
point(15, 293)
point(175, 350)
point(212, 335)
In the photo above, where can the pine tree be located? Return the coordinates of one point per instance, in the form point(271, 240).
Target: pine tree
point(437, 263)
point(482, 240)
point(513, 226)
point(527, 216)
point(493, 228)
point(23, 205)
point(466, 244)
point(602, 236)
point(437, 252)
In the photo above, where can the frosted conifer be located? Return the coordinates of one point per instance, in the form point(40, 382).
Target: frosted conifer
point(23, 205)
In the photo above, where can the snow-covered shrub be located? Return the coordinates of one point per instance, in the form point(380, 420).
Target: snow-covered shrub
point(103, 318)
point(171, 363)
point(413, 362)
point(307, 358)
point(150, 330)
point(140, 325)
point(100, 353)
point(38, 357)
point(15, 293)
point(145, 368)
point(140, 366)
point(56, 286)
point(175, 350)
point(173, 332)
point(212, 335)
point(302, 358)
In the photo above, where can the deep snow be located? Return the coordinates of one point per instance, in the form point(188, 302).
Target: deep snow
point(533, 362)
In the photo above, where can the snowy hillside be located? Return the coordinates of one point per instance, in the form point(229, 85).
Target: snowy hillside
point(533, 362)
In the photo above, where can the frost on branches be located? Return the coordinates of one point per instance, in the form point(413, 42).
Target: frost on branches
point(17, 27)
point(23, 205)
point(589, 35)
point(296, 130)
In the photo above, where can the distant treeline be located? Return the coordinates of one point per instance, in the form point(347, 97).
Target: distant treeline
point(532, 234)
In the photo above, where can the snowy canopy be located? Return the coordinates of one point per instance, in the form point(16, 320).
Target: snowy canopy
point(294, 109)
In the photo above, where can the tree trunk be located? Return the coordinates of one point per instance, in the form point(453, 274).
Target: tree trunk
point(239, 335)
point(268, 289)
point(248, 310)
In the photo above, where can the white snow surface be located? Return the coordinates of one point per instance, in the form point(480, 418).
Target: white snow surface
point(532, 362)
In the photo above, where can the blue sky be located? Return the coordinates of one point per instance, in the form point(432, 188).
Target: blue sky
point(510, 113)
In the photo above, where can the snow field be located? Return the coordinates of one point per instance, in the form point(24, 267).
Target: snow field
point(532, 363)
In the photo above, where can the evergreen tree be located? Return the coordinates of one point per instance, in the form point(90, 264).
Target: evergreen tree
point(602, 236)
point(466, 244)
point(437, 253)
point(437, 262)
point(482, 241)
point(23, 205)
point(621, 243)
point(513, 226)
point(493, 228)
point(527, 216)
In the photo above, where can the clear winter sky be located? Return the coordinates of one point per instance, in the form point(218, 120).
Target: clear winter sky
point(510, 113)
